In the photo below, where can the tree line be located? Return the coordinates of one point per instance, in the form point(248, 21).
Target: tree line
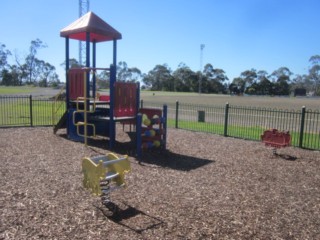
point(28, 69)
point(31, 70)
point(214, 80)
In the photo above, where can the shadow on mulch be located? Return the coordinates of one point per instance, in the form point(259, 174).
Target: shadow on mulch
point(124, 214)
point(286, 157)
point(174, 161)
point(161, 158)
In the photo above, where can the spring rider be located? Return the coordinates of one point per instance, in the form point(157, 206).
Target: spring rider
point(276, 139)
point(104, 174)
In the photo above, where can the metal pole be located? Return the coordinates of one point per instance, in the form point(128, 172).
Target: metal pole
point(201, 55)
point(31, 116)
point(94, 70)
point(226, 117)
point(303, 115)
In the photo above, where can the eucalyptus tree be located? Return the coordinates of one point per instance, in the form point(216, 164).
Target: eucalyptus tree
point(314, 73)
point(31, 59)
point(281, 80)
point(45, 73)
point(246, 79)
point(214, 78)
point(4, 54)
point(159, 78)
point(265, 85)
point(124, 73)
point(184, 79)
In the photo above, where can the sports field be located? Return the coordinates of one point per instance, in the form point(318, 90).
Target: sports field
point(193, 98)
point(218, 100)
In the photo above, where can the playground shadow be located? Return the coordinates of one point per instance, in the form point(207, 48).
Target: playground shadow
point(130, 217)
point(158, 157)
point(168, 159)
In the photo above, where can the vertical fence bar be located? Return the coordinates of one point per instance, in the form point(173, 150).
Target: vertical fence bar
point(177, 114)
point(226, 115)
point(141, 103)
point(303, 113)
point(31, 117)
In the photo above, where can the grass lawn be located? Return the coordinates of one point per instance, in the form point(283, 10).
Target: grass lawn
point(286, 102)
point(16, 90)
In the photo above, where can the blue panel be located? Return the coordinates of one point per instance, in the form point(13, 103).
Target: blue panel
point(72, 133)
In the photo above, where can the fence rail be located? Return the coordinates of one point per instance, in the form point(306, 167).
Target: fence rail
point(232, 121)
point(246, 122)
point(23, 111)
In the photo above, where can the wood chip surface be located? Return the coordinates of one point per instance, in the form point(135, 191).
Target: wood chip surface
point(203, 187)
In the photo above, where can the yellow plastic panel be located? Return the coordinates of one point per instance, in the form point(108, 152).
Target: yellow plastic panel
point(94, 173)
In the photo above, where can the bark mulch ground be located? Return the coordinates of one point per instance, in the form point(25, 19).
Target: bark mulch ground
point(204, 187)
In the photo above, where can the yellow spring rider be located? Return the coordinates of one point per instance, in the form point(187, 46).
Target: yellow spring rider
point(104, 174)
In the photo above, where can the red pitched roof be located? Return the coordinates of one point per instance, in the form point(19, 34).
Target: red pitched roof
point(99, 30)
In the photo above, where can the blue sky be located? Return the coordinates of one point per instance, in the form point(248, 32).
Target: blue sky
point(238, 34)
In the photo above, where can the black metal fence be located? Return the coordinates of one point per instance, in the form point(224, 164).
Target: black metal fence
point(246, 122)
point(232, 121)
point(26, 111)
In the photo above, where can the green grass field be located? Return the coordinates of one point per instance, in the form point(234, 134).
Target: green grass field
point(195, 98)
point(18, 113)
point(220, 100)
point(16, 90)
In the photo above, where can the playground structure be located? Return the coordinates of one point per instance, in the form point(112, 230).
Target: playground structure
point(104, 174)
point(276, 139)
point(89, 114)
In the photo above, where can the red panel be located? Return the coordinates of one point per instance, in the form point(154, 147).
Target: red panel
point(105, 98)
point(274, 138)
point(76, 83)
point(125, 99)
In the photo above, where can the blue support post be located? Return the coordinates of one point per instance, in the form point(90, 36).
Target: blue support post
point(88, 63)
point(115, 53)
point(67, 82)
point(138, 136)
point(138, 97)
point(94, 66)
point(67, 69)
point(112, 126)
point(113, 79)
point(165, 115)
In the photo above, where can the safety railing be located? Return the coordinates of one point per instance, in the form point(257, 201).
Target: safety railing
point(246, 122)
point(232, 121)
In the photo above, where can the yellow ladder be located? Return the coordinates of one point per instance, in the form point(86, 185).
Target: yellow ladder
point(85, 112)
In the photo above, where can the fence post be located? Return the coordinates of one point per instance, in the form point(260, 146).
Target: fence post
point(303, 114)
point(30, 104)
point(226, 115)
point(141, 103)
point(177, 113)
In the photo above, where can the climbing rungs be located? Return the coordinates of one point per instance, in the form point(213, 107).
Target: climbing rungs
point(79, 123)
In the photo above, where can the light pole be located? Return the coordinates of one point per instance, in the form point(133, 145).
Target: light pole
point(201, 55)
